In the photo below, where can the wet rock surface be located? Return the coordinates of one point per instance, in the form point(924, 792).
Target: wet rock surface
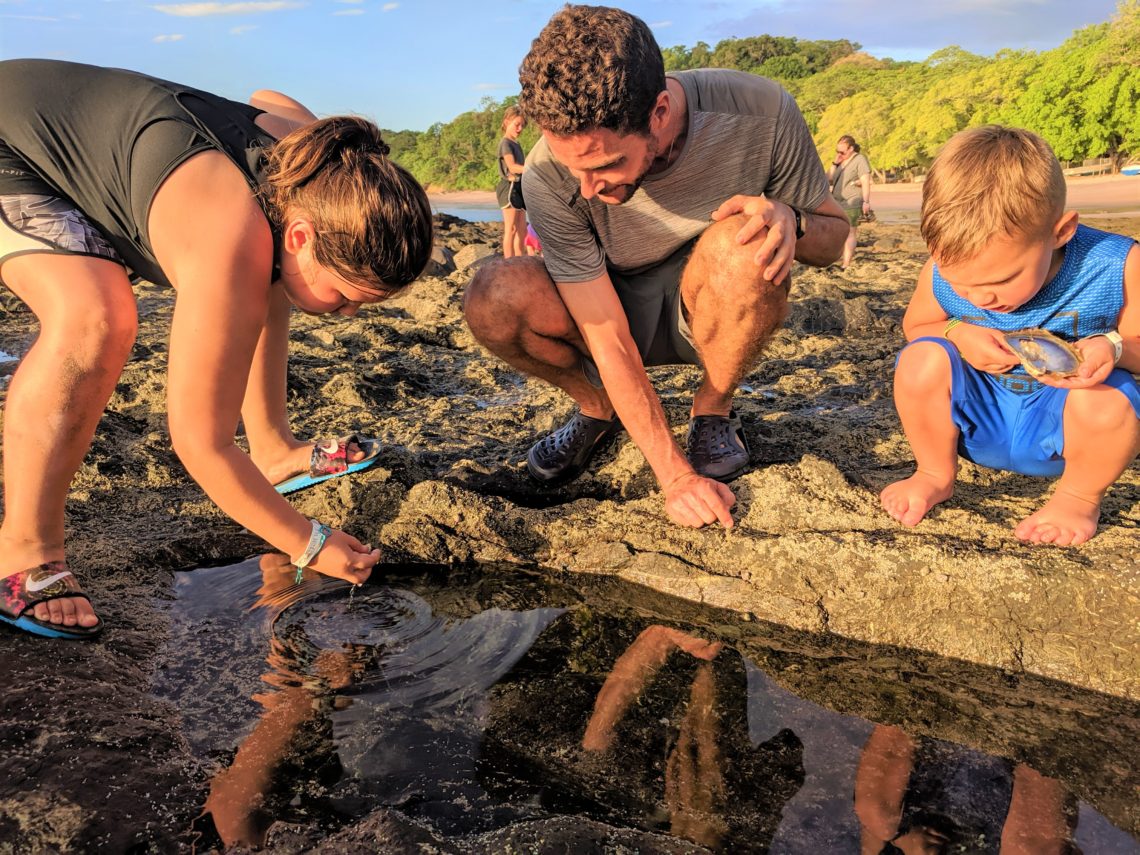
point(92, 761)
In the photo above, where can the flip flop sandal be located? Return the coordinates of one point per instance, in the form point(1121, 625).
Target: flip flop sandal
point(716, 446)
point(330, 460)
point(21, 592)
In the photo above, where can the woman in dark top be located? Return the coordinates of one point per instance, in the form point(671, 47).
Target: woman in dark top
point(244, 210)
point(509, 190)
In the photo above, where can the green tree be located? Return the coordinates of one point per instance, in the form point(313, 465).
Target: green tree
point(1083, 97)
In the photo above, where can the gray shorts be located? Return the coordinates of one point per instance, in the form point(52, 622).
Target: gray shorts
point(652, 302)
point(42, 223)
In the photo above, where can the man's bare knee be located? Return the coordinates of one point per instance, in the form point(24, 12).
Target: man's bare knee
point(498, 295)
point(719, 261)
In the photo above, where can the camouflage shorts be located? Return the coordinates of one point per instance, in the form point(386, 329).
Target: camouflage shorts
point(47, 224)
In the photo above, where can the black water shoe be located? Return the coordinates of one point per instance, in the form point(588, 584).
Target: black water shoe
point(716, 446)
point(564, 454)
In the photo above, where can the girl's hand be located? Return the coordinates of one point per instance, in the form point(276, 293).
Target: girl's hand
point(345, 557)
point(983, 348)
point(1099, 360)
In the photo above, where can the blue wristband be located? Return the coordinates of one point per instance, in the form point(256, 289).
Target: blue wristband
point(317, 538)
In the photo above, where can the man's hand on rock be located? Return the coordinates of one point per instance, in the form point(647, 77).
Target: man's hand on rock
point(693, 501)
point(772, 224)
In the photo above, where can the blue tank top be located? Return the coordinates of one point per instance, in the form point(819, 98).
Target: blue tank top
point(1084, 298)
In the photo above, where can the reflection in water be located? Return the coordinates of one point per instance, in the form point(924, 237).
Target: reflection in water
point(473, 706)
point(718, 789)
point(929, 796)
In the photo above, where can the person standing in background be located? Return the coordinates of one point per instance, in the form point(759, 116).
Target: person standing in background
point(509, 191)
point(850, 179)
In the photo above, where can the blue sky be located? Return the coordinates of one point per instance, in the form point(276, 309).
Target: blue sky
point(410, 63)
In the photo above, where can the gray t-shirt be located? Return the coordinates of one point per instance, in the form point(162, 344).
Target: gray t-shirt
point(512, 147)
point(846, 188)
point(746, 135)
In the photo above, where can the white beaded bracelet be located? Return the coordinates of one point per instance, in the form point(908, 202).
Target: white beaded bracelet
point(317, 540)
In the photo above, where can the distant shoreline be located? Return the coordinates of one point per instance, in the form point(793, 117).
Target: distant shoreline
point(1115, 193)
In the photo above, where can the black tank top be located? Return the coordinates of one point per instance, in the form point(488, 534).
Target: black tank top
point(106, 138)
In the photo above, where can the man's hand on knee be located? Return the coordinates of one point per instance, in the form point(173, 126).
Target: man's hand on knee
point(770, 226)
point(693, 501)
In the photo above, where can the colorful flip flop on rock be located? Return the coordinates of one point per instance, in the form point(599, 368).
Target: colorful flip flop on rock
point(21, 592)
point(330, 460)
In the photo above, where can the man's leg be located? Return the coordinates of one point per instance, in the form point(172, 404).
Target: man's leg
point(733, 311)
point(514, 311)
point(88, 323)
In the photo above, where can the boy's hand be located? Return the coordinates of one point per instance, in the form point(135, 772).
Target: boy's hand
point(985, 349)
point(1099, 360)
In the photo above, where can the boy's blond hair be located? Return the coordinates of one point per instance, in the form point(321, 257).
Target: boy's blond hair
point(987, 182)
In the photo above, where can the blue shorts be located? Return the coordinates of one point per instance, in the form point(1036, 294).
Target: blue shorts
point(1010, 421)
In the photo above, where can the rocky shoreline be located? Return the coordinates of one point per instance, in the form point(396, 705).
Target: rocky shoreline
point(811, 550)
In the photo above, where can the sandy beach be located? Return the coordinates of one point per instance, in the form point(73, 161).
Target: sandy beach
point(1118, 194)
point(811, 550)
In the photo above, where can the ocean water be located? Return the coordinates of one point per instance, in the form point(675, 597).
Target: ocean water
point(471, 213)
point(480, 700)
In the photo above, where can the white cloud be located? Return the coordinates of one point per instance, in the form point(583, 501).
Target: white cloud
point(660, 25)
point(168, 37)
point(242, 29)
point(349, 1)
point(349, 12)
point(388, 7)
point(488, 87)
point(30, 17)
point(199, 10)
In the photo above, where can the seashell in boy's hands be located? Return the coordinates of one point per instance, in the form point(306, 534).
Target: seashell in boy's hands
point(1043, 353)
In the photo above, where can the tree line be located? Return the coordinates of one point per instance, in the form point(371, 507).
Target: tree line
point(1083, 97)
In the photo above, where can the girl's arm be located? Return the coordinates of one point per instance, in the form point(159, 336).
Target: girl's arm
point(220, 260)
point(282, 105)
point(513, 166)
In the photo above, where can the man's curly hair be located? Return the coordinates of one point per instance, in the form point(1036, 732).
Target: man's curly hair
point(592, 67)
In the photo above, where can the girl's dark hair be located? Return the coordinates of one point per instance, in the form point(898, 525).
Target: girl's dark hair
point(371, 217)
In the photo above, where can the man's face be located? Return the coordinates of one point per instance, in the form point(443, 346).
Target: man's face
point(607, 165)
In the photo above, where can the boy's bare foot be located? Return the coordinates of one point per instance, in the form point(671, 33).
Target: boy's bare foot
point(1066, 520)
point(909, 500)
